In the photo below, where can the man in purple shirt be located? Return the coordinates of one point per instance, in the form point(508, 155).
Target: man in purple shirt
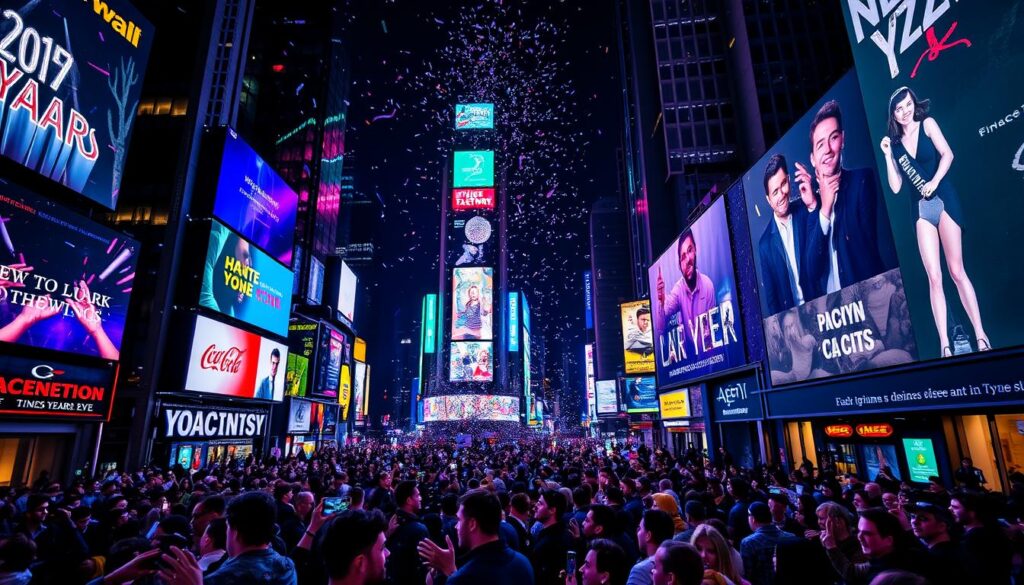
point(690, 297)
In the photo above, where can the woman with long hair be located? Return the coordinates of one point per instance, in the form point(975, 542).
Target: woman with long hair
point(716, 553)
point(924, 162)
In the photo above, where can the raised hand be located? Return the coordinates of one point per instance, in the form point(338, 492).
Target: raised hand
point(886, 146)
point(803, 185)
point(437, 558)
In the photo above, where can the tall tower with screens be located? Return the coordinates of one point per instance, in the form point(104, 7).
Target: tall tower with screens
point(470, 378)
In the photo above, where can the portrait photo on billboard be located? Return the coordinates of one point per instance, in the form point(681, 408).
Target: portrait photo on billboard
point(73, 75)
point(254, 200)
point(228, 361)
point(470, 241)
point(694, 302)
point(65, 281)
point(241, 281)
point(472, 303)
point(945, 110)
point(471, 361)
point(637, 337)
point(830, 285)
point(639, 394)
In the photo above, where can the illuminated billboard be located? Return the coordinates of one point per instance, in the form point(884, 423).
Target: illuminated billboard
point(231, 362)
point(832, 293)
point(470, 242)
point(674, 404)
point(302, 337)
point(254, 200)
point(359, 349)
point(472, 307)
point(945, 123)
point(300, 415)
point(467, 199)
point(72, 76)
point(591, 395)
point(65, 281)
point(473, 168)
point(637, 337)
point(474, 116)
point(471, 407)
point(531, 400)
point(605, 393)
point(358, 389)
point(330, 355)
point(241, 281)
point(470, 361)
point(315, 292)
point(344, 390)
point(46, 388)
point(513, 321)
point(694, 307)
point(429, 323)
point(639, 394)
point(347, 293)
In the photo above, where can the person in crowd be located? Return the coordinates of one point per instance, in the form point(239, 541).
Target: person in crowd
point(655, 528)
point(203, 513)
point(739, 527)
point(553, 541)
point(405, 532)
point(602, 522)
point(884, 544)
point(213, 546)
point(758, 548)
point(717, 555)
point(383, 496)
point(667, 504)
point(519, 518)
point(353, 548)
point(778, 504)
point(677, 563)
point(604, 564)
point(986, 549)
point(16, 555)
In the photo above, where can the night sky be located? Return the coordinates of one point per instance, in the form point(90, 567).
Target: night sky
point(552, 69)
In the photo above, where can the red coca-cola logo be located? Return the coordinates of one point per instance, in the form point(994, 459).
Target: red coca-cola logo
point(224, 360)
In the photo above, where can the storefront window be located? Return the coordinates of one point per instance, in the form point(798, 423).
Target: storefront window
point(978, 442)
point(1010, 428)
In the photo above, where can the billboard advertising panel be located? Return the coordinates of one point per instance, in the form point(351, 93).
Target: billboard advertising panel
point(513, 321)
point(472, 308)
point(526, 311)
point(832, 292)
point(359, 349)
point(72, 76)
point(591, 392)
point(607, 401)
point(300, 413)
point(473, 168)
point(65, 281)
point(208, 423)
point(470, 361)
point(470, 407)
point(637, 337)
point(736, 399)
point(315, 292)
point(347, 293)
point(430, 323)
point(302, 337)
point(254, 200)
point(231, 362)
point(531, 400)
point(674, 404)
point(344, 390)
point(639, 394)
point(358, 389)
point(921, 459)
point(474, 116)
point(241, 281)
point(694, 302)
point(588, 299)
point(42, 387)
point(944, 114)
point(467, 199)
point(330, 355)
point(470, 241)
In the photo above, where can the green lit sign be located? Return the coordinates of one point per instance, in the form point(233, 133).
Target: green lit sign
point(920, 459)
point(473, 168)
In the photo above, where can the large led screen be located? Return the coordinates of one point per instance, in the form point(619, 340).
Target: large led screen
point(944, 96)
point(674, 404)
point(470, 241)
point(528, 379)
point(471, 407)
point(42, 387)
point(639, 394)
point(473, 168)
point(466, 199)
point(72, 75)
point(590, 375)
point(513, 321)
point(242, 282)
point(254, 200)
point(697, 327)
point(607, 402)
point(831, 289)
point(232, 362)
point(65, 281)
point(358, 389)
point(637, 337)
point(472, 307)
point(474, 116)
point(347, 293)
point(302, 338)
point(330, 356)
point(471, 361)
point(299, 416)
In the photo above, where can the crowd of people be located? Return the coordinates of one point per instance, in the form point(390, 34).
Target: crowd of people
point(545, 511)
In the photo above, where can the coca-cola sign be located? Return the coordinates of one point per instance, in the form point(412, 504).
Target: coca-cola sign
point(228, 361)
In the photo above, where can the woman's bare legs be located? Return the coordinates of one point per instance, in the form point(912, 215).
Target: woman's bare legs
point(952, 245)
point(928, 245)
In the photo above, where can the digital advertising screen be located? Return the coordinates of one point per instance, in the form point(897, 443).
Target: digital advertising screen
point(528, 379)
point(329, 421)
point(468, 199)
point(231, 362)
point(674, 404)
point(315, 293)
point(358, 389)
point(65, 281)
point(470, 242)
point(472, 303)
point(330, 357)
point(254, 200)
point(589, 373)
point(832, 294)
point(944, 98)
point(697, 325)
point(471, 407)
point(474, 116)
point(345, 390)
point(46, 388)
point(302, 338)
point(429, 323)
point(72, 76)
point(606, 392)
point(241, 281)
point(637, 337)
point(640, 394)
point(347, 293)
point(921, 459)
point(513, 321)
point(359, 349)
point(473, 168)
point(470, 361)
point(300, 414)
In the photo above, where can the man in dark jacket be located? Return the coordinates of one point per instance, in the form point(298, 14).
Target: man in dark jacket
point(382, 497)
point(519, 518)
point(404, 565)
point(553, 542)
point(489, 560)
